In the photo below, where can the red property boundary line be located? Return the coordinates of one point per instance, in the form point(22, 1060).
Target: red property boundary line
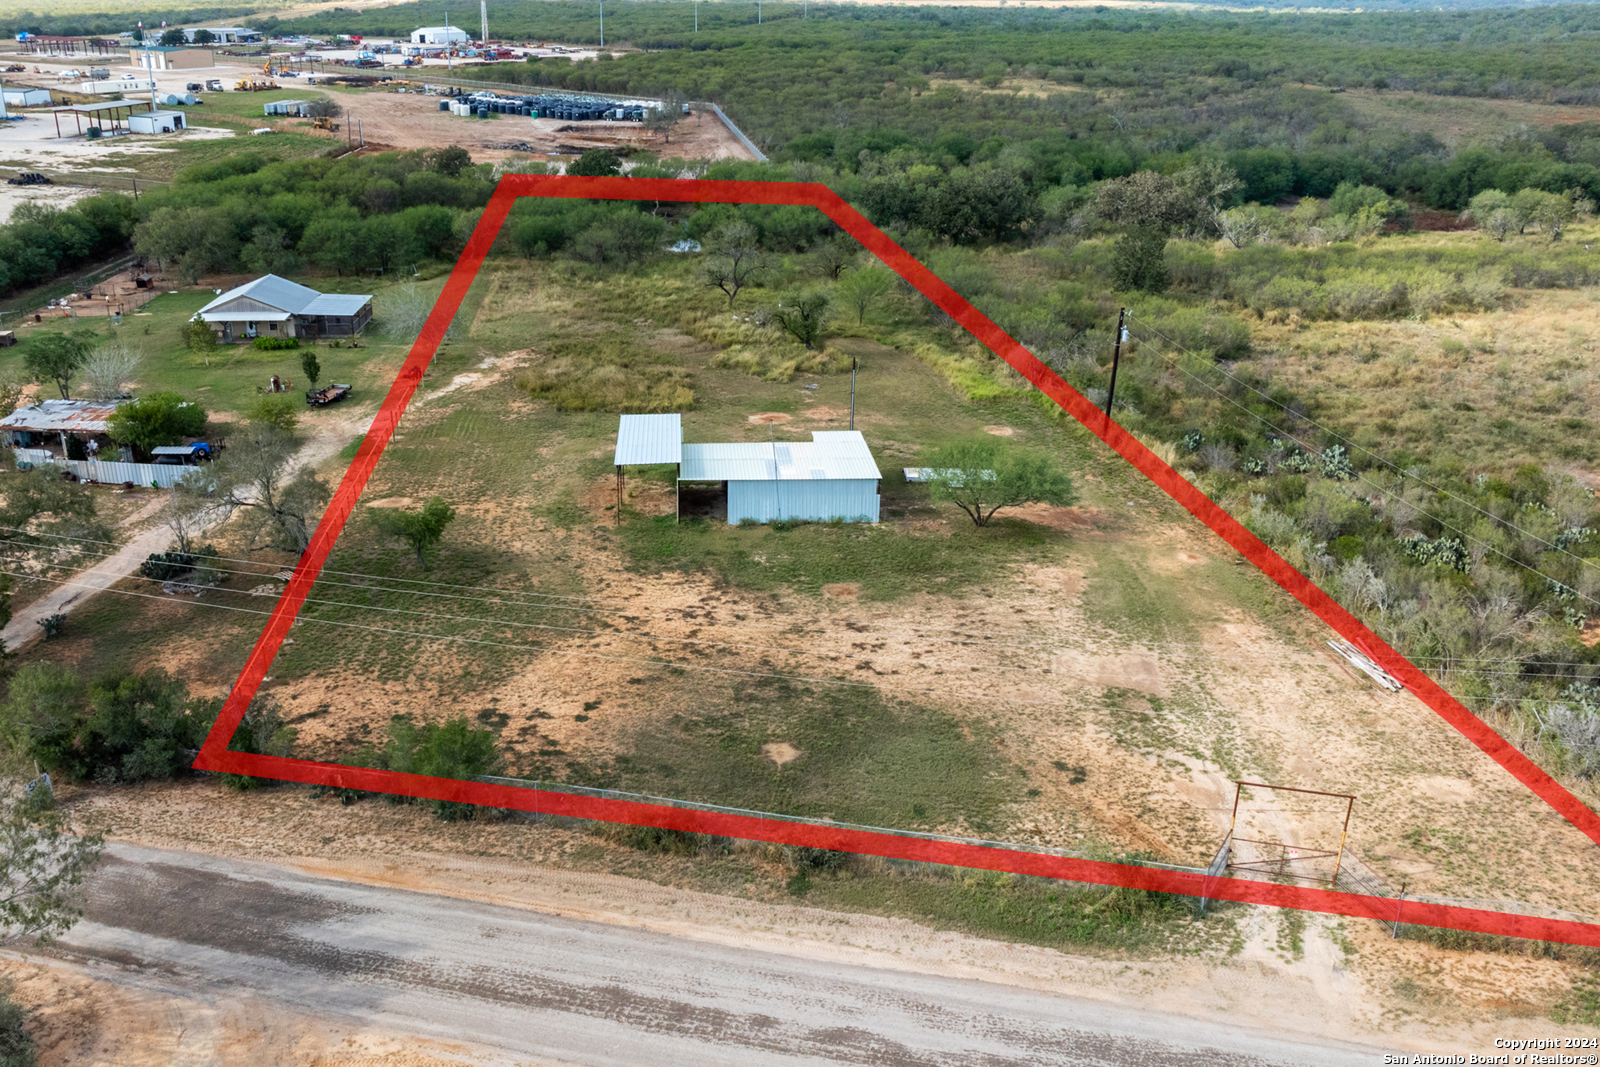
point(214, 754)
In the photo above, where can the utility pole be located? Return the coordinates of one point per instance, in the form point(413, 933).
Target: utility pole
point(135, 188)
point(483, 9)
point(1116, 357)
point(602, 23)
point(696, 16)
point(853, 362)
point(449, 60)
point(758, 12)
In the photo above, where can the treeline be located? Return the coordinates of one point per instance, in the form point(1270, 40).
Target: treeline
point(344, 215)
point(111, 23)
point(42, 240)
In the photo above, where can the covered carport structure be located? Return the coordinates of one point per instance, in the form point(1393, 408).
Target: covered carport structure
point(118, 111)
point(647, 439)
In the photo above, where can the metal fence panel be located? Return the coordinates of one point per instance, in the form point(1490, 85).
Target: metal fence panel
point(108, 471)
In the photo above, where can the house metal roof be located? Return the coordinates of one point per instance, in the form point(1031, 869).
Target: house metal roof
point(831, 455)
point(336, 304)
point(649, 439)
point(291, 297)
point(72, 416)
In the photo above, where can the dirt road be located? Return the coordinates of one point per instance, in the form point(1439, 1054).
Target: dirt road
point(328, 435)
point(510, 984)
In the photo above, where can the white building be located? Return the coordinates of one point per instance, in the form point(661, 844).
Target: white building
point(439, 35)
point(156, 122)
point(27, 97)
point(831, 477)
point(226, 34)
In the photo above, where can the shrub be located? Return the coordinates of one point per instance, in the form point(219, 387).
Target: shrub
point(1200, 329)
point(276, 409)
point(16, 1044)
point(261, 732)
point(165, 566)
point(275, 344)
point(129, 728)
point(454, 749)
point(1138, 261)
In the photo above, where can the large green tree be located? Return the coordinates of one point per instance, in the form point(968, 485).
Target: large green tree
point(154, 420)
point(55, 357)
point(981, 477)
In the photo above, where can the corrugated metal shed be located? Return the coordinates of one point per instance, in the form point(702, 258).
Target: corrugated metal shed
point(71, 416)
point(831, 455)
point(726, 463)
point(650, 439)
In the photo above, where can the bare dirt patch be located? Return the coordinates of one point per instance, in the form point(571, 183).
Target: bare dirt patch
point(769, 418)
point(1000, 431)
point(842, 590)
point(780, 752)
point(410, 121)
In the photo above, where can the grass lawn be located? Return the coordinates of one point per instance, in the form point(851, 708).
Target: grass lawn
point(229, 379)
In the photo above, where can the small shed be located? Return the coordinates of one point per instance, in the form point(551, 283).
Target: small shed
point(156, 122)
point(26, 97)
point(831, 477)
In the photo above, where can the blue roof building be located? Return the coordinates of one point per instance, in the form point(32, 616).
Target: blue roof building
point(272, 306)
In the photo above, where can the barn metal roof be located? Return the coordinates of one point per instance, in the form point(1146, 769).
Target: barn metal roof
point(831, 455)
point(649, 439)
point(73, 416)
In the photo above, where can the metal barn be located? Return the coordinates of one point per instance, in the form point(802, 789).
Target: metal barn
point(832, 476)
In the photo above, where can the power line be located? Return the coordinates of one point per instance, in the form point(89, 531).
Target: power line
point(893, 656)
point(1310, 656)
point(987, 696)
